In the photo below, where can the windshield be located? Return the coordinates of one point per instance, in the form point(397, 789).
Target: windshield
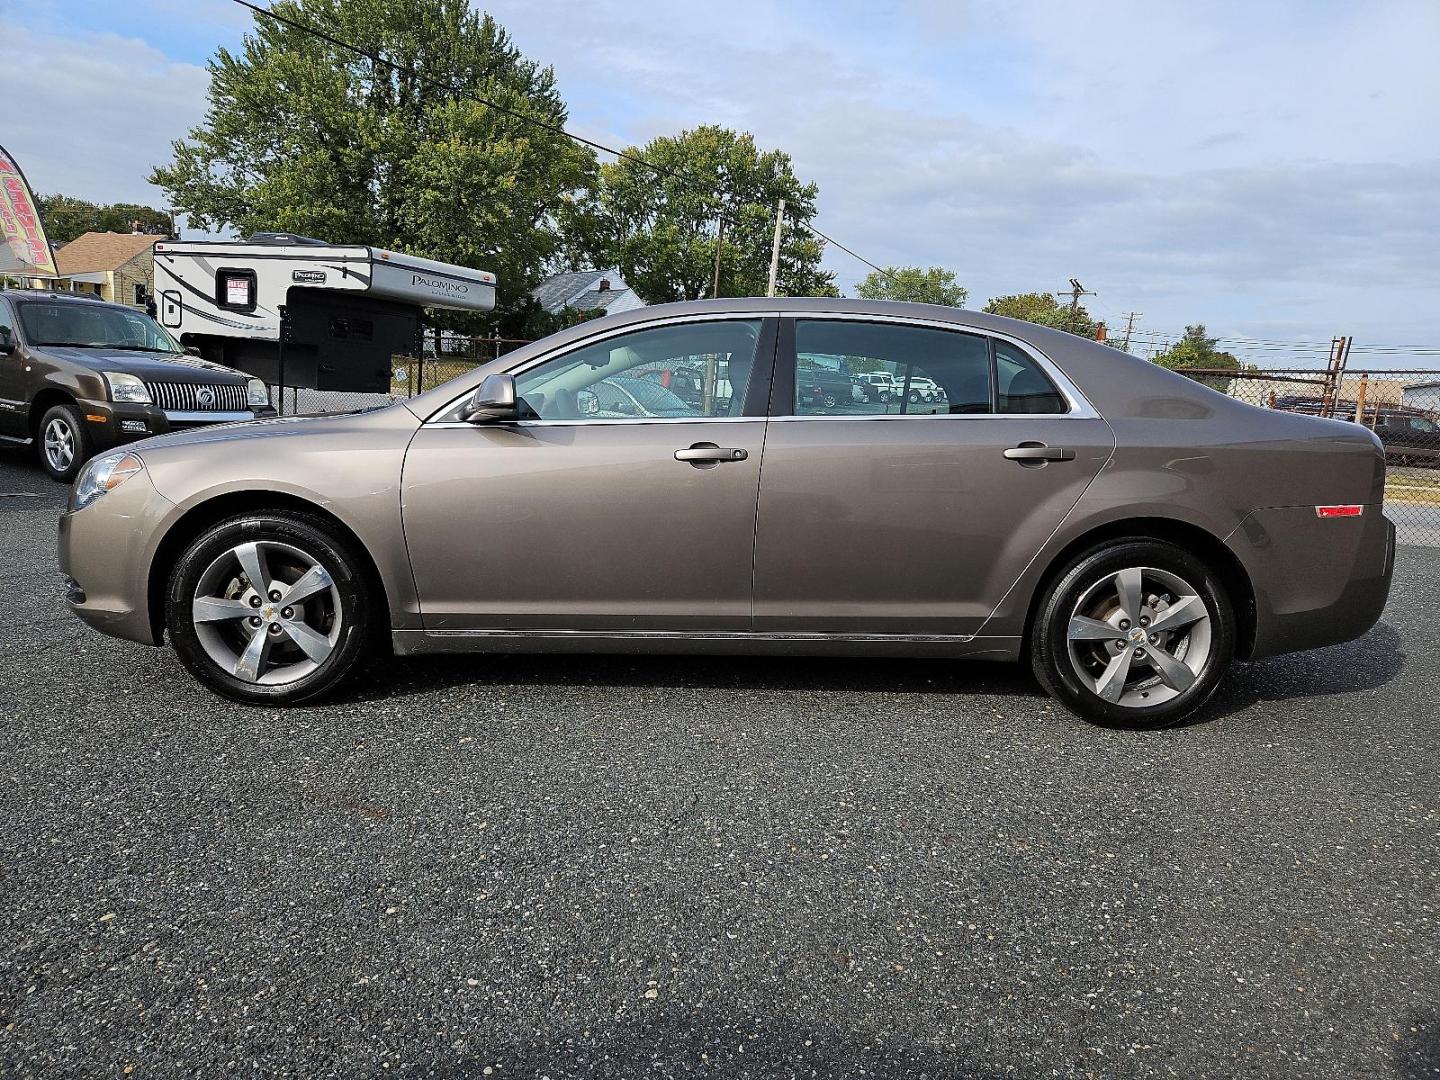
point(92, 326)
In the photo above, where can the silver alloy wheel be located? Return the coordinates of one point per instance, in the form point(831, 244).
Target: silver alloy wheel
point(266, 612)
point(59, 444)
point(1139, 637)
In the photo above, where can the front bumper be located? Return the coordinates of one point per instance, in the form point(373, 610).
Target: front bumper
point(104, 552)
point(1316, 581)
point(112, 423)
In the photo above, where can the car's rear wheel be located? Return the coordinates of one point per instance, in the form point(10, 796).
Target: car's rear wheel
point(914, 396)
point(269, 608)
point(64, 444)
point(1136, 633)
point(830, 400)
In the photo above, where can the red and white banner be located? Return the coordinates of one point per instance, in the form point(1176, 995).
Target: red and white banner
point(23, 246)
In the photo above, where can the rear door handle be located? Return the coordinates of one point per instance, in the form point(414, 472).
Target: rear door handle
point(1039, 452)
point(710, 454)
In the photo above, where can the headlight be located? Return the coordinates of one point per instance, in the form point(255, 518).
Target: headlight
point(127, 388)
point(257, 393)
point(103, 474)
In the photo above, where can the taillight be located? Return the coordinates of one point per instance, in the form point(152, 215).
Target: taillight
point(1351, 510)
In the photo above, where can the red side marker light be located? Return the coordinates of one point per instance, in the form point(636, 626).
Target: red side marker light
point(1353, 510)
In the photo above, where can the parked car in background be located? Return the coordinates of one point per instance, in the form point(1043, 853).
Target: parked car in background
point(826, 386)
point(1129, 560)
point(923, 389)
point(877, 386)
point(1410, 438)
point(79, 375)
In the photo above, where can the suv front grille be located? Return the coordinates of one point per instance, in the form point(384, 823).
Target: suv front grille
point(198, 397)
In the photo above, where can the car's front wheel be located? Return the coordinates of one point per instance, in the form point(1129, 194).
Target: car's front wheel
point(1136, 633)
point(65, 445)
point(269, 608)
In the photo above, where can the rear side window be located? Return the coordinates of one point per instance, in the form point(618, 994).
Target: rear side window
point(1021, 387)
point(857, 368)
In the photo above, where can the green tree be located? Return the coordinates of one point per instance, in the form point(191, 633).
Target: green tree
point(935, 285)
point(658, 229)
point(1196, 349)
point(306, 137)
point(67, 217)
point(1045, 309)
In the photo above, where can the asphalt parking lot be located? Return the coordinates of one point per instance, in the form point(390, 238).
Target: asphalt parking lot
point(617, 867)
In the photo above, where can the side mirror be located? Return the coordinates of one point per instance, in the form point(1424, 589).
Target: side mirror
point(7, 341)
point(493, 401)
point(193, 350)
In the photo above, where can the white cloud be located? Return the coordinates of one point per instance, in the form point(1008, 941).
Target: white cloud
point(95, 111)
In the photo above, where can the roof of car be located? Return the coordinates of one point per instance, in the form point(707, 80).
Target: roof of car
point(55, 294)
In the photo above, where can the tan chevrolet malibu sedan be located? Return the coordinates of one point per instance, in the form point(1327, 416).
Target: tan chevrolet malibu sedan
point(687, 478)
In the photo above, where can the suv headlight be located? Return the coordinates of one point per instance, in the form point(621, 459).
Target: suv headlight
point(127, 388)
point(103, 474)
point(257, 393)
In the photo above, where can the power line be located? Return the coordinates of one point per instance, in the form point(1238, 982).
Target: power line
point(556, 129)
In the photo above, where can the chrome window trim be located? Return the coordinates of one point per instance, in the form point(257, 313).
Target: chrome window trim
point(1080, 407)
point(790, 419)
point(585, 343)
point(603, 421)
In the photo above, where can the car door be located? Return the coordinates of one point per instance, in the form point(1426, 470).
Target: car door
point(577, 519)
point(14, 407)
point(913, 518)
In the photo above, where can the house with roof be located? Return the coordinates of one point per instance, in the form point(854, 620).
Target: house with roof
point(1422, 395)
point(119, 267)
point(586, 290)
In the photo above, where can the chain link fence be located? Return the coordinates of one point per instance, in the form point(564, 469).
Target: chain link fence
point(1401, 407)
point(445, 357)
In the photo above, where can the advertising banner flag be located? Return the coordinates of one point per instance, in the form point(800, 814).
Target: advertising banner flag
point(23, 247)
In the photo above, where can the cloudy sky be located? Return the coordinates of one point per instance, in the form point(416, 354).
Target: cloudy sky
point(1271, 169)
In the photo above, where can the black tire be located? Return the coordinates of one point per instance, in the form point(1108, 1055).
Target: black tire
point(914, 397)
point(67, 418)
point(1050, 646)
point(313, 536)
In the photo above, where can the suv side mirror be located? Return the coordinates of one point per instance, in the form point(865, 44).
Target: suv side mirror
point(7, 341)
point(493, 401)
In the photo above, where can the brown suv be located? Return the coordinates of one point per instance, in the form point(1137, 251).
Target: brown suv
point(78, 375)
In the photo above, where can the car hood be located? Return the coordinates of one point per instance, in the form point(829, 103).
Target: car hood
point(153, 366)
point(285, 427)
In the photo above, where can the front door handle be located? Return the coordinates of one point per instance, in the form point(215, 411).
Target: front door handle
point(1039, 453)
point(705, 455)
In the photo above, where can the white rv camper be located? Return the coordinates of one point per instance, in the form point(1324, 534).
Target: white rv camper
point(300, 312)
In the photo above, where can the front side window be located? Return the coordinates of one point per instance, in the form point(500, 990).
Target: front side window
point(856, 368)
point(686, 370)
point(92, 326)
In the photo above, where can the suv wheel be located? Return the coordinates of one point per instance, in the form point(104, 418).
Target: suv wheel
point(269, 608)
point(64, 443)
point(1134, 634)
point(830, 400)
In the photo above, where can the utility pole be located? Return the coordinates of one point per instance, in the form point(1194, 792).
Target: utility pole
point(775, 247)
point(719, 240)
point(1130, 317)
point(1075, 291)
